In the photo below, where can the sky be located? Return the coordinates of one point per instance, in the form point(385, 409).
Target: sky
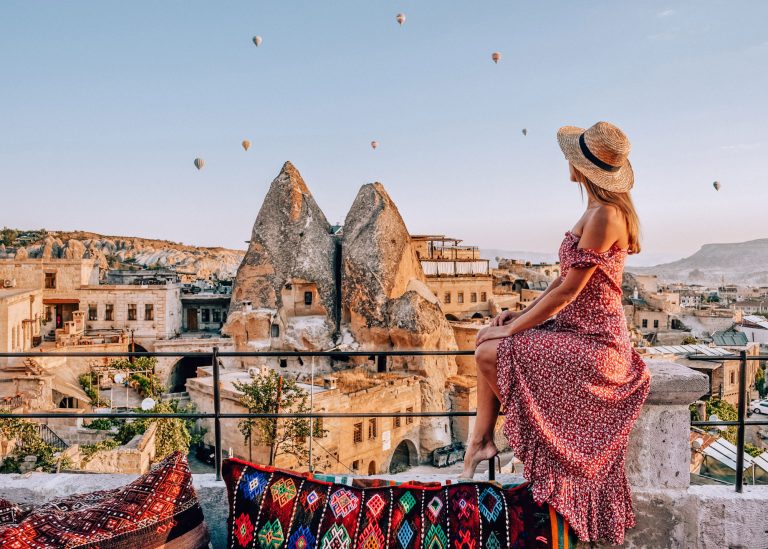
point(105, 105)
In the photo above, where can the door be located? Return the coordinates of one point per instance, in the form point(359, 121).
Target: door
point(192, 320)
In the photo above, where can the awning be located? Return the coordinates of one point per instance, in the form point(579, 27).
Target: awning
point(59, 301)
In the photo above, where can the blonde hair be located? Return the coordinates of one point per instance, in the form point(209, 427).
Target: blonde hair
point(623, 201)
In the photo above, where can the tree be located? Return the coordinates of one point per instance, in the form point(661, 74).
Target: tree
point(272, 393)
point(689, 340)
point(760, 382)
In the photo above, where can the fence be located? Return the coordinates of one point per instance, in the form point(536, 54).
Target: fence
point(218, 415)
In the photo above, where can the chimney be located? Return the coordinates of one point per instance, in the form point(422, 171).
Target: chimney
point(329, 382)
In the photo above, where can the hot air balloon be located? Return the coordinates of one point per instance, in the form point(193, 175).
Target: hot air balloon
point(496, 56)
point(246, 144)
point(400, 18)
point(199, 163)
point(525, 131)
point(257, 40)
point(716, 185)
point(374, 144)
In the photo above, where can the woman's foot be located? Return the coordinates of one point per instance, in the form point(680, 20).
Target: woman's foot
point(477, 452)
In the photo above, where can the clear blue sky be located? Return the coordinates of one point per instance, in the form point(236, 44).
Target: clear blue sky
point(104, 105)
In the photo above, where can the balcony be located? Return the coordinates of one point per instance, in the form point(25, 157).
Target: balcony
point(671, 512)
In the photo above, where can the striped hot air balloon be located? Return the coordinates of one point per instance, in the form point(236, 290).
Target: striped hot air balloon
point(496, 56)
point(400, 18)
point(257, 41)
point(246, 144)
point(199, 163)
point(374, 144)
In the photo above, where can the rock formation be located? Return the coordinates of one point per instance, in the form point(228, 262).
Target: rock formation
point(287, 273)
point(387, 304)
point(294, 292)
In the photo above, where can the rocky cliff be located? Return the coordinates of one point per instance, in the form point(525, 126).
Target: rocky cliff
point(127, 252)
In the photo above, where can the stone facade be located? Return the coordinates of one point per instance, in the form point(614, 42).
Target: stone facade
point(360, 445)
point(21, 311)
point(151, 312)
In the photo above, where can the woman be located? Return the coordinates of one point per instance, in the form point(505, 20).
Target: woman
point(572, 386)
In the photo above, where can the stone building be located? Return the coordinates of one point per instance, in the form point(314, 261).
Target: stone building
point(60, 279)
point(21, 313)
point(146, 303)
point(358, 445)
point(150, 312)
point(456, 274)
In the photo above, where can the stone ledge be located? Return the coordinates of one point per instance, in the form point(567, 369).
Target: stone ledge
point(673, 383)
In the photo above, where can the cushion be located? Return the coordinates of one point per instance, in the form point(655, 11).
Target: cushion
point(158, 509)
point(271, 508)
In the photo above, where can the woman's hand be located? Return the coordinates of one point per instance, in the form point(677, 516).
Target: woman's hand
point(505, 318)
point(492, 332)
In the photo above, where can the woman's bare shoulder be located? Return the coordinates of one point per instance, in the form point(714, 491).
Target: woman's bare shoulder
point(604, 228)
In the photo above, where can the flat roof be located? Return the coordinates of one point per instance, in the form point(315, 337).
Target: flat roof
point(10, 292)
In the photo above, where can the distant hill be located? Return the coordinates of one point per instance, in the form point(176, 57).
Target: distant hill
point(735, 263)
point(123, 251)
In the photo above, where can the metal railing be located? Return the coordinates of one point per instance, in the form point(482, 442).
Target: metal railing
point(217, 414)
point(741, 423)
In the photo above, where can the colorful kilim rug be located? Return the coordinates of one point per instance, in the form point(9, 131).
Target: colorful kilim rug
point(158, 509)
point(271, 508)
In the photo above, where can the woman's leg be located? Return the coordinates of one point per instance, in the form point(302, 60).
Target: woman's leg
point(481, 445)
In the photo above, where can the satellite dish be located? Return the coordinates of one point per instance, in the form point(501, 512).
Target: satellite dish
point(147, 404)
point(119, 378)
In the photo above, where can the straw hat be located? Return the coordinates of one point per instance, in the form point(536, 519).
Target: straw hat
point(600, 153)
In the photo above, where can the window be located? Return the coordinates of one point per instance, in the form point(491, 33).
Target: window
point(396, 421)
point(109, 311)
point(50, 281)
point(473, 297)
point(275, 330)
point(205, 315)
point(656, 323)
point(409, 419)
point(357, 434)
point(733, 378)
point(131, 311)
point(307, 298)
point(483, 296)
point(149, 311)
point(92, 314)
point(447, 297)
point(283, 362)
point(645, 323)
point(217, 315)
point(48, 313)
point(460, 297)
point(356, 465)
point(372, 432)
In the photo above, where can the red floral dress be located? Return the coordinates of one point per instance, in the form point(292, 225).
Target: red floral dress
point(572, 389)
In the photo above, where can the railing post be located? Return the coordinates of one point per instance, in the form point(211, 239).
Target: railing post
point(216, 412)
point(742, 427)
point(492, 469)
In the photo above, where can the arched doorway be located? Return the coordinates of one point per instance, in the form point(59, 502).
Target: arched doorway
point(477, 315)
point(404, 456)
point(451, 317)
point(372, 468)
point(185, 369)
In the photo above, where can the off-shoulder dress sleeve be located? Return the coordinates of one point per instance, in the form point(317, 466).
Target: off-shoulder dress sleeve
point(584, 258)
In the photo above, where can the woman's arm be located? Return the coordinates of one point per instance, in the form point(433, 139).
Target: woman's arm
point(598, 233)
